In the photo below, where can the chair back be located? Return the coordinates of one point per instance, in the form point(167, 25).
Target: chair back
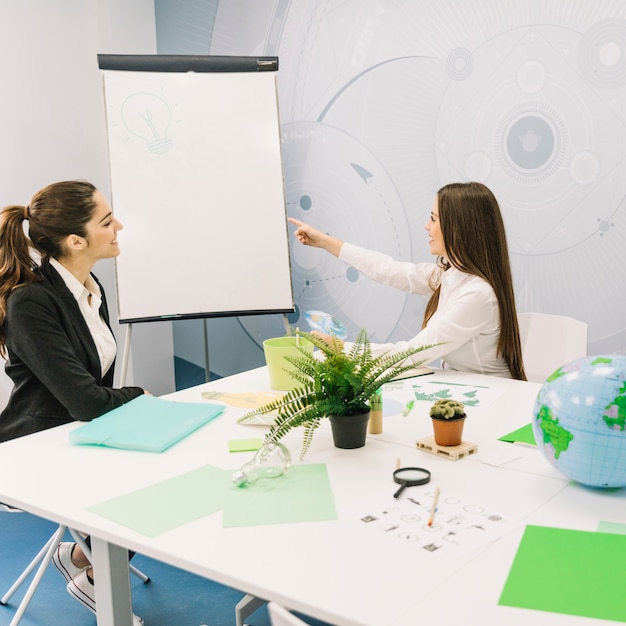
point(279, 616)
point(550, 341)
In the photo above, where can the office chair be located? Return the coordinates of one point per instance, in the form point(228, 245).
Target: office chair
point(550, 341)
point(279, 616)
point(43, 558)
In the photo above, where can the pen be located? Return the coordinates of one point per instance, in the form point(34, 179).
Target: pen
point(408, 407)
point(434, 507)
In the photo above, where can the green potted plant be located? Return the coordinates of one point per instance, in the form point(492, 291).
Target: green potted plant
point(338, 386)
point(448, 417)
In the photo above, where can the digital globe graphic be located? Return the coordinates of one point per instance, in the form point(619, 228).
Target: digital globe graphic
point(325, 323)
point(579, 420)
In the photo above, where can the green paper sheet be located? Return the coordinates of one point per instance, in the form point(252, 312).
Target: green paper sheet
point(523, 435)
point(244, 445)
point(303, 494)
point(612, 527)
point(570, 572)
point(171, 503)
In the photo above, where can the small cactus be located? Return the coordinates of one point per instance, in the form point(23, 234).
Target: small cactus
point(447, 409)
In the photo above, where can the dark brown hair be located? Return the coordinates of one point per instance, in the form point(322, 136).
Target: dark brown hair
point(58, 210)
point(475, 242)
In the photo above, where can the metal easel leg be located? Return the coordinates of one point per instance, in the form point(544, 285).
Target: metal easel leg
point(126, 354)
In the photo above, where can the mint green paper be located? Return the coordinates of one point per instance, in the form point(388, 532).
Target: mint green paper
point(147, 424)
point(523, 435)
point(245, 445)
point(612, 527)
point(171, 503)
point(303, 494)
point(568, 571)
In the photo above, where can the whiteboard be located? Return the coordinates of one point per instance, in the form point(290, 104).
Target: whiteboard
point(197, 182)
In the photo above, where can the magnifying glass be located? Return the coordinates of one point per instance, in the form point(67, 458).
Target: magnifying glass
point(410, 477)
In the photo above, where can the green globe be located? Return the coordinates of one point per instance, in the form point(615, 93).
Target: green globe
point(579, 420)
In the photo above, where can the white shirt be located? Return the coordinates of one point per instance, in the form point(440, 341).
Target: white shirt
point(100, 332)
point(467, 318)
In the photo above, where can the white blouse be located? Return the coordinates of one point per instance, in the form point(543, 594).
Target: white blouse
point(466, 322)
point(90, 308)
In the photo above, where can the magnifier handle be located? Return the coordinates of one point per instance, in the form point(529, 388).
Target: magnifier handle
point(402, 487)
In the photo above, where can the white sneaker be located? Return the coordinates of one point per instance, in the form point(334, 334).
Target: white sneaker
point(84, 591)
point(62, 559)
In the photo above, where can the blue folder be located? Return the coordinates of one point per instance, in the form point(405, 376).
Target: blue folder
point(146, 423)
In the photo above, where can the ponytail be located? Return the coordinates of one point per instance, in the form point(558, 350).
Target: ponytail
point(58, 210)
point(16, 264)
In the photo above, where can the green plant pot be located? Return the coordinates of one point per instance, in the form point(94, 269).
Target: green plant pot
point(349, 431)
point(279, 370)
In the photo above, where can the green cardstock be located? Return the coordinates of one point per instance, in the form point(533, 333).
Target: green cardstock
point(171, 503)
point(244, 445)
point(523, 435)
point(303, 494)
point(570, 572)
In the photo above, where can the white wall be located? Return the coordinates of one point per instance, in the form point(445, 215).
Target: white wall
point(53, 127)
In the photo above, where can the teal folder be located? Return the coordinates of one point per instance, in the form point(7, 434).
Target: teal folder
point(146, 423)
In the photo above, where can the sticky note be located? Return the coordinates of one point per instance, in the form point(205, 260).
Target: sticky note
point(244, 445)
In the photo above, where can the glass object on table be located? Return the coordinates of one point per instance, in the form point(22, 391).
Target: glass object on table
point(271, 460)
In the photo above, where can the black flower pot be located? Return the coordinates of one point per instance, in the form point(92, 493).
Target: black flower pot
point(349, 431)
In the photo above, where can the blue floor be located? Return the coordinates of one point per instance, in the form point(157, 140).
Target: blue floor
point(173, 597)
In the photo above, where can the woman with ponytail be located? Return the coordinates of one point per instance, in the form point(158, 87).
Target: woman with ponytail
point(54, 326)
point(471, 312)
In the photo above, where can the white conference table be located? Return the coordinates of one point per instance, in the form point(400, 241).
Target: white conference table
point(339, 571)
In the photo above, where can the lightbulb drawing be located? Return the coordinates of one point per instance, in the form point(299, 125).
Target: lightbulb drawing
point(148, 117)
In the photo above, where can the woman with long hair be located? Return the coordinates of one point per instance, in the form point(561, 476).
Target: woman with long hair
point(470, 313)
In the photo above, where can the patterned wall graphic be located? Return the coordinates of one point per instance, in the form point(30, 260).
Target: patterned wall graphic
point(384, 102)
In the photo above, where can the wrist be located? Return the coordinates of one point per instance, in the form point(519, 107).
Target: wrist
point(333, 245)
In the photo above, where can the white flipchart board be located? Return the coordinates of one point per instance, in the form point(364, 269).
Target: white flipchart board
point(197, 182)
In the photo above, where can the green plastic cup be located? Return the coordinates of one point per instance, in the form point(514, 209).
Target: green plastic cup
point(276, 349)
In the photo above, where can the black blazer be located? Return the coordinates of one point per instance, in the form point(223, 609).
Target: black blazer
point(53, 360)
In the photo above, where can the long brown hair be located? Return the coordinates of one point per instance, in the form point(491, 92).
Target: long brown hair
point(475, 242)
point(58, 210)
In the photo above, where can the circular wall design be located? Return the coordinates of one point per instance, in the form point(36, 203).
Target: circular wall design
point(602, 54)
point(531, 142)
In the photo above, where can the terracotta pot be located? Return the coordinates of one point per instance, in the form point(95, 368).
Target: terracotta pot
point(448, 432)
point(349, 431)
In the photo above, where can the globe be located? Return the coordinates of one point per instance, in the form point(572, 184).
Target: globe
point(326, 323)
point(579, 420)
